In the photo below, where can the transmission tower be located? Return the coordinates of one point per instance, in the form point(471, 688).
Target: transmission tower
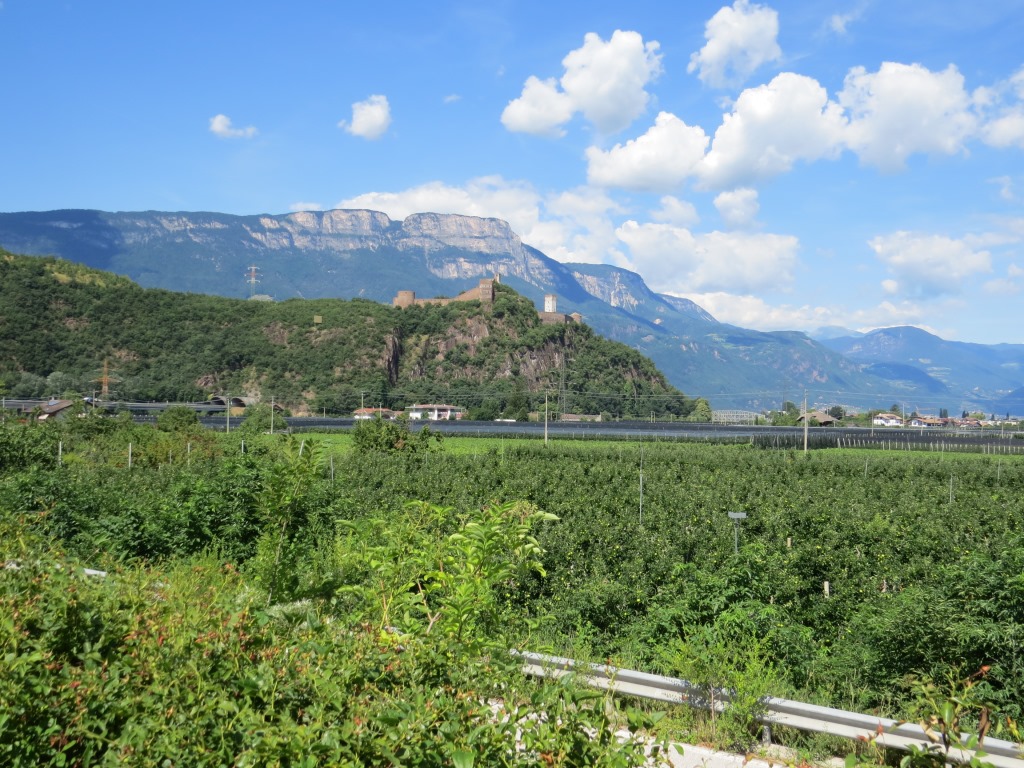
point(105, 380)
point(252, 277)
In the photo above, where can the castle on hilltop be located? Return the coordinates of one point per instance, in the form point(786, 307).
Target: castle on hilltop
point(484, 293)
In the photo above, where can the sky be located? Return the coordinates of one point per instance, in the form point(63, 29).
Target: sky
point(786, 165)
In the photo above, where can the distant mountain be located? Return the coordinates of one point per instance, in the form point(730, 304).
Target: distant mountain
point(976, 374)
point(627, 290)
point(832, 332)
point(1012, 403)
point(359, 253)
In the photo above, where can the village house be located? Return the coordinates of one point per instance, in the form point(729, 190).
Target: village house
point(823, 419)
point(928, 422)
point(435, 412)
point(373, 413)
point(53, 409)
point(887, 420)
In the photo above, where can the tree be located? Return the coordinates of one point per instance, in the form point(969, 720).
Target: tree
point(837, 412)
point(29, 385)
point(787, 417)
point(517, 407)
point(387, 436)
point(177, 418)
point(258, 419)
point(488, 410)
point(702, 410)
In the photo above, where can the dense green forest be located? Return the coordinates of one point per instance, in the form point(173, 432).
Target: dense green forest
point(60, 323)
point(857, 580)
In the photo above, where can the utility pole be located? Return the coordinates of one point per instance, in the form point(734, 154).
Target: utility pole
point(561, 391)
point(641, 483)
point(806, 421)
point(736, 517)
point(545, 418)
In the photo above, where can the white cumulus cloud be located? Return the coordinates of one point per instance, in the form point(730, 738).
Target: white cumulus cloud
point(220, 125)
point(682, 213)
point(1005, 126)
point(929, 265)
point(740, 38)
point(603, 80)
point(370, 118)
point(542, 109)
point(1005, 184)
point(1007, 130)
point(839, 22)
point(1002, 286)
point(1010, 285)
point(659, 160)
point(577, 226)
point(906, 108)
point(300, 206)
point(770, 128)
point(738, 207)
point(749, 311)
point(674, 259)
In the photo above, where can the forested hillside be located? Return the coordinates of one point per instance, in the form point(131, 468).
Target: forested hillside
point(61, 322)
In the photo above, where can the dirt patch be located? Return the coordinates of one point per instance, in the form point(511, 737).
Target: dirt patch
point(277, 333)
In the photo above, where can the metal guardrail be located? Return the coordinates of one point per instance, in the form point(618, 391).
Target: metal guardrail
point(890, 734)
point(882, 731)
point(14, 565)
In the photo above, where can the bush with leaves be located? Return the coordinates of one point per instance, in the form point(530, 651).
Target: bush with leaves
point(182, 666)
point(730, 663)
point(178, 418)
point(392, 436)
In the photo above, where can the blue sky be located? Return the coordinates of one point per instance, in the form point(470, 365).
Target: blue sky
point(787, 165)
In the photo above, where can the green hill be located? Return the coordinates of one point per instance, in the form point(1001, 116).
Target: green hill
point(60, 322)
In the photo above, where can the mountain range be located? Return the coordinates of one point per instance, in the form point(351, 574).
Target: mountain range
point(361, 253)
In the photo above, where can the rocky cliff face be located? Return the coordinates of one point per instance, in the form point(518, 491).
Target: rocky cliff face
point(434, 231)
point(495, 248)
point(611, 289)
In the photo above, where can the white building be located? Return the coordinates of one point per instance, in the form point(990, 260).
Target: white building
point(887, 420)
point(435, 412)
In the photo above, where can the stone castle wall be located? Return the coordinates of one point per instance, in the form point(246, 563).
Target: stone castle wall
point(484, 293)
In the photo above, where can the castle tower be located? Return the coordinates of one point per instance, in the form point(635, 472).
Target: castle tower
point(550, 302)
